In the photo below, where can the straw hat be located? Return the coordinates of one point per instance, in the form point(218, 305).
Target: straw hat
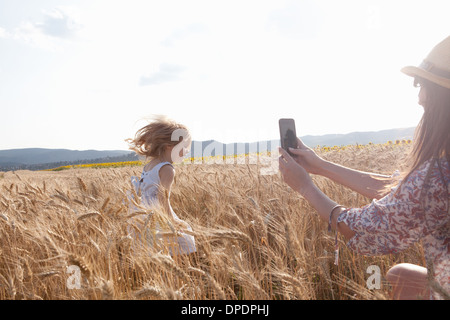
point(435, 67)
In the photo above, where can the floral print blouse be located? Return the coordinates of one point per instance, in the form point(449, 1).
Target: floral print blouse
point(417, 209)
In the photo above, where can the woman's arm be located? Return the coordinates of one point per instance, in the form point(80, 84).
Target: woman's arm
point(299, 180)
point(368, 184)
point(384, 226)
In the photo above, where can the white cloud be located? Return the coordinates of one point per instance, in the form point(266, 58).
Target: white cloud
point(166, 73)
point(29, 34)
point(59, 25)
point(298, 20)
point(3, 33)
point(60, 22)
point(182, 33)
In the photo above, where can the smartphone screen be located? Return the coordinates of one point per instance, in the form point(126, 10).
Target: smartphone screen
point(288, 135)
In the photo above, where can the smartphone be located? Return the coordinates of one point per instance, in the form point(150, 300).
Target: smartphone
point(288, 134)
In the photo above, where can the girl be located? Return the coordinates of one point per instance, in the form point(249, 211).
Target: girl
point(417, 208)
point(162, 141)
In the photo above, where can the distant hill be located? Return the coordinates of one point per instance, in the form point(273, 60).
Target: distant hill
point(214, 148)
point(40, 155)
point(39, 158)
point(359, 137)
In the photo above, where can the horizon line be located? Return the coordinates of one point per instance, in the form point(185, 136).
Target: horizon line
point(212, 140)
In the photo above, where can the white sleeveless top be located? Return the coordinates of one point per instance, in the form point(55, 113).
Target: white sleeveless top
point(147, 187)
point(149, 184)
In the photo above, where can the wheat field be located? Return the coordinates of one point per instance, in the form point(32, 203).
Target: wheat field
point(256, 238)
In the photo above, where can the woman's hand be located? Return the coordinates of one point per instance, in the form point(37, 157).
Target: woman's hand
point(299, 180)
point(307, 158)
point(294, 174)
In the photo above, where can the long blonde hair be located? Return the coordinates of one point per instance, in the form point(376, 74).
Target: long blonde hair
point(432, 135)
point(431, 138)
point(151, 140)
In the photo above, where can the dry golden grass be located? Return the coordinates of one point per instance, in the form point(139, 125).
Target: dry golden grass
point(256, 238)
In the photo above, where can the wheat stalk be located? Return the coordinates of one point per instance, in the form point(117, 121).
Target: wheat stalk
point(212, 281)
point(107, 288)
point(89, 215)
point(81, 184)
point(149, 291)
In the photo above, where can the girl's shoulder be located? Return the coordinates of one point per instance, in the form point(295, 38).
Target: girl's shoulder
point(158, 170)
point(166, 175)
point(165, 167)
point(166, 171)
point(155, 167)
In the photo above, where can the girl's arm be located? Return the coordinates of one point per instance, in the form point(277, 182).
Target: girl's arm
point(166, 177)
point(368, 184)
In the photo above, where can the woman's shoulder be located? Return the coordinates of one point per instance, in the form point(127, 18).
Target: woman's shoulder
point(432, 167)
point(437, 168)
point(440, 172)
point(433, 175)
point(444, 162)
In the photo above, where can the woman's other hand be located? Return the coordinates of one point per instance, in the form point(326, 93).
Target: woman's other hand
point(293, 173)
point(307, 158)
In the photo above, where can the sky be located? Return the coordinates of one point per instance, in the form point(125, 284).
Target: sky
point(87, 74)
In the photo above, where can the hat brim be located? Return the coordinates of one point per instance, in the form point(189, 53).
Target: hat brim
point(419, 72)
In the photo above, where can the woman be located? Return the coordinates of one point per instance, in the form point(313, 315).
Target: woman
point(416, 209)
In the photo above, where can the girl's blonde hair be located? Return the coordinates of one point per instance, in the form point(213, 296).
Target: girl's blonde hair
point(150, 141)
